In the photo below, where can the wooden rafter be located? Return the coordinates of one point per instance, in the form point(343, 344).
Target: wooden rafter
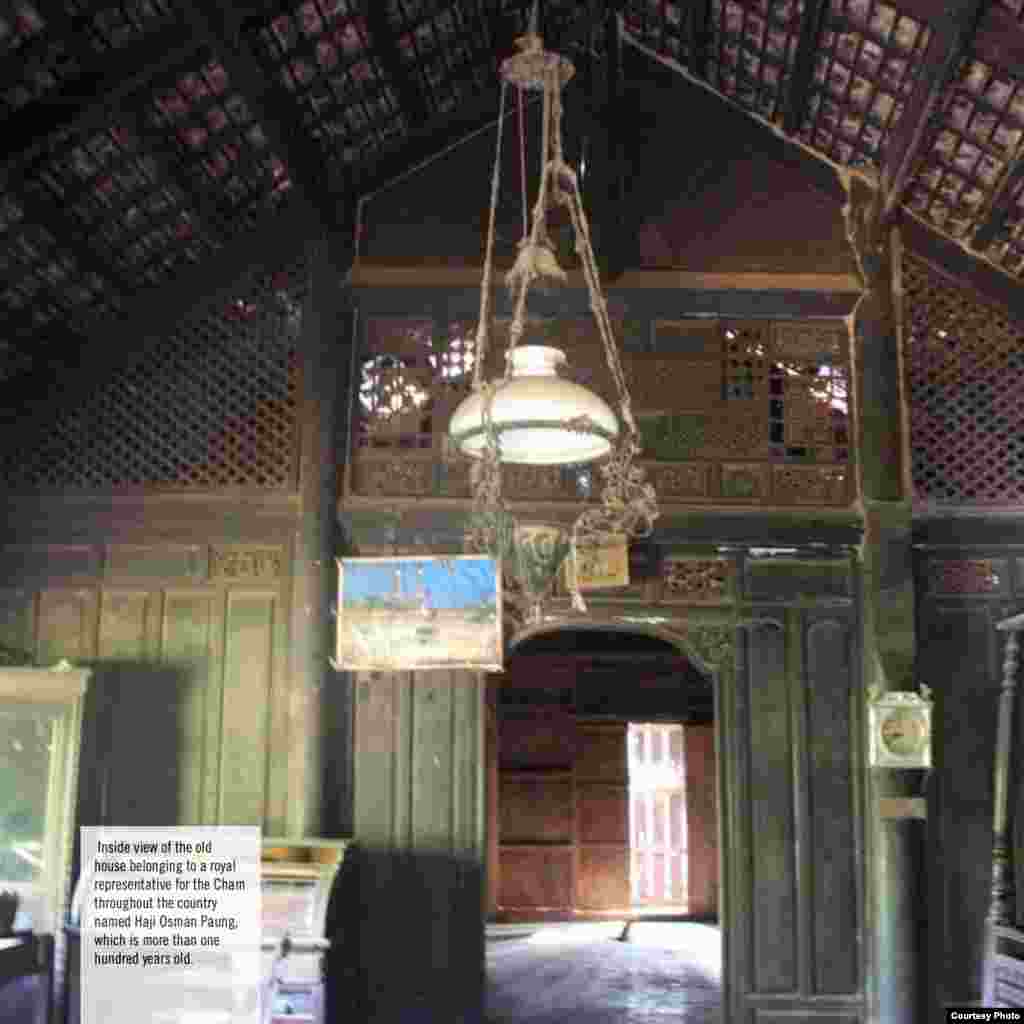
point(803, 66)
point(911, 141)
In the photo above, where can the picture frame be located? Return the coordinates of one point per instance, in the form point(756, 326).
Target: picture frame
point(416, 613)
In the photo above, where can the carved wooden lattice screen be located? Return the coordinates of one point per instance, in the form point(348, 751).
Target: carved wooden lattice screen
point(212, 405)
point(744, 412)
point(965, 361)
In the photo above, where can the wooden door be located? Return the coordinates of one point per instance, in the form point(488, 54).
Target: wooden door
point(602, 814)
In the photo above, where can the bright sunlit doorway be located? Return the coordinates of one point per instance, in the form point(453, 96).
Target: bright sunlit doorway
point(672, 819)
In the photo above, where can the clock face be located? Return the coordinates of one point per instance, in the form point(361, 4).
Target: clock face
point(904, 732)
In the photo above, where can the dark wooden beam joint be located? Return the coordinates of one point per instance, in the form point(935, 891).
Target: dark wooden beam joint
point(910, 143)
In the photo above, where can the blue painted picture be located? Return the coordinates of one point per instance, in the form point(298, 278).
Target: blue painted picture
point(401, 614)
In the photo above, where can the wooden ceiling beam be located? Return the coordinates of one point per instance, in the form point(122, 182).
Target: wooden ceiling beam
point(952, 27)
point(800, 81)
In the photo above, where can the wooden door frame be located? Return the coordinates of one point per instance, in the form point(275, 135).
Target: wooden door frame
point(707, 636)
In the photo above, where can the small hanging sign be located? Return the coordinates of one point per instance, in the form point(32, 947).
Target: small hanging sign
point(600, 565)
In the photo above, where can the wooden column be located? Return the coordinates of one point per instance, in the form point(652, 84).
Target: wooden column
point(896, 845)
point(1001, 904)
point(493, 836)
point(323, 360)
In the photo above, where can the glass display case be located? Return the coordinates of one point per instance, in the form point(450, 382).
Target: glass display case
point(40, 735)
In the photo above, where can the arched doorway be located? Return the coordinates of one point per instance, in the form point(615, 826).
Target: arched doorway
point(603, 825)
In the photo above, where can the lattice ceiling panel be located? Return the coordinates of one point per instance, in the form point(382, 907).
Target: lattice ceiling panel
point(869, 57)
point(214, 405)
point(123, 200)
point(662, 26)
point(439, 46)
point(753, 46)
point(320, 52)
point(981, 133)
point(221, 147)
point(42, 284)
point(966, 367)
point(43, 47)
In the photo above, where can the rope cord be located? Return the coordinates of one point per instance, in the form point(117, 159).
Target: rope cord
point(522, 164)
point(482, 328)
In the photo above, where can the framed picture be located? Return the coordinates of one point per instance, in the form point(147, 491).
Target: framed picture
point(404, 613)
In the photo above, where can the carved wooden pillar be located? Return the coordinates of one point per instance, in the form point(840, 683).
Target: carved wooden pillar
point(897, 985)
point(1001, 908)
point(314, 728)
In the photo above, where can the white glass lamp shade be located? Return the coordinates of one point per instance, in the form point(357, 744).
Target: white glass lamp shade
point(541, 418)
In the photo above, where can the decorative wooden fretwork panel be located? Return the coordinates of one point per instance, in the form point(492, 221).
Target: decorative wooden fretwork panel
point(212, 406)
point(752, 412)
point(965, 361)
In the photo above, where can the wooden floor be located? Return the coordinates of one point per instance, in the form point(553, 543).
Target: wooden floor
point(584, 974)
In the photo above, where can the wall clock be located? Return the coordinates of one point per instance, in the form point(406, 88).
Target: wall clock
point(900, 730)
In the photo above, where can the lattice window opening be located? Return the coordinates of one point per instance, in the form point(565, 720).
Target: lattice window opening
point(965, 363)
point(412, 375)
point(213, 406)
point(807, 392)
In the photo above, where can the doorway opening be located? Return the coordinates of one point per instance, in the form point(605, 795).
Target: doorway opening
point(657, 817)
point(602, 826)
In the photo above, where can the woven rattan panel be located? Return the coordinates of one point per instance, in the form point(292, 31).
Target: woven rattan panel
point(966, 365)
point(212, 405)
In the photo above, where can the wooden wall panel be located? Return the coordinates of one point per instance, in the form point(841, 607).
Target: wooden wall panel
point(123, 623)
point(601, 756)
point(773, 886)
point(417, 869)
point(187, 641)
point(835, 899)
point(535, 810)
point(603, 813)
point(248, 678)
point(538, 741)
point(701, 819)
point(603, 881)
point(67, 625)
point(17, 621)
point(539, 877)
